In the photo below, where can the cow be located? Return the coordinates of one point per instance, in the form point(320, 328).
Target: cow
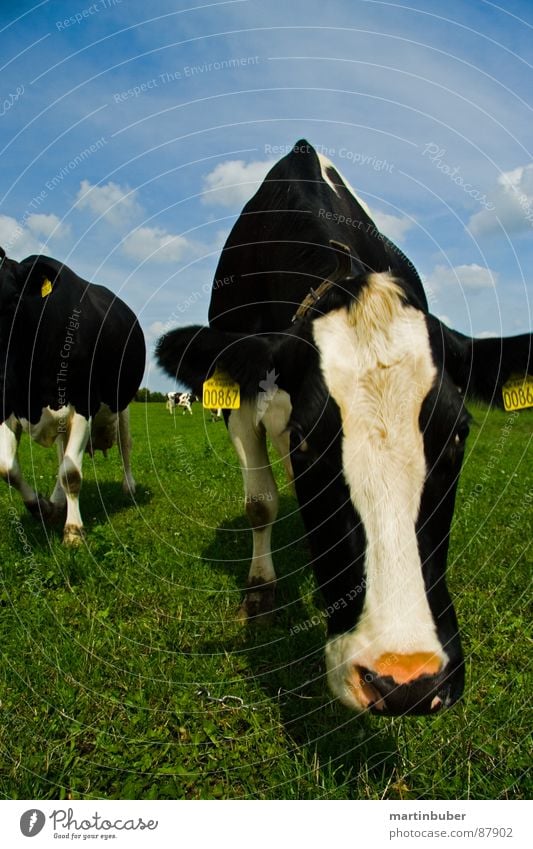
point(171, 402)
point(72, 356)
point(185, 400)
point(326, 329)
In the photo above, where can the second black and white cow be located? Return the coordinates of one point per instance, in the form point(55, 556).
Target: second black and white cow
point(363, 395)
point(72, 357)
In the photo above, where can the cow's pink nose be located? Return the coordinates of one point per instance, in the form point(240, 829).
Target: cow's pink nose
point(406, 668)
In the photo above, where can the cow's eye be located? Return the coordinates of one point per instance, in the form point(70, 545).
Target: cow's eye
point(462, 433)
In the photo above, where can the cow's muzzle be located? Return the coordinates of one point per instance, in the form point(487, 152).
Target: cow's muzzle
point(426, 690)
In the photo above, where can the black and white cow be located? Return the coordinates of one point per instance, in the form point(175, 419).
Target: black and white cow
point(185, 400)
point(363, 393)
point(72, 357)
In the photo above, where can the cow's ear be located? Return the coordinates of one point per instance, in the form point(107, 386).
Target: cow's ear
point(480, 367)
point(191, 355)
point(40, 275)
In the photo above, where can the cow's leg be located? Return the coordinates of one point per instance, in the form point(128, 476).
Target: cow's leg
point(58, 499)
point(70, 476)
point(10, 471)
point(261, 504)
point(124, 447)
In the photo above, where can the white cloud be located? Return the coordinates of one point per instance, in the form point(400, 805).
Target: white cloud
point(471, 278)
point(392, 226)
point(21, 239)
point(17, 241)
point(486, 334)
point(513, 204)
point(233, 183)
point(117, 204)
point(155, 244)
point(48, 226)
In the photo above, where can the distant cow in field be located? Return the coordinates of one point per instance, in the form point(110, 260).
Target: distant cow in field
point(171, 402)
point(72, 357)
point(327, 330)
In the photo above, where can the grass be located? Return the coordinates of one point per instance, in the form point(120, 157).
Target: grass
point(125, 673)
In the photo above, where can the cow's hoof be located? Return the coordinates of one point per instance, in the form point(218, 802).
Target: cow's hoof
point(129, 487)
point(41, 509)
point(72, 536)
point(258, 603)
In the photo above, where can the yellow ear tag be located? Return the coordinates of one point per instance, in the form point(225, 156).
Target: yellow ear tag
point(221, 392)
point(46, 288)
point(518, 393)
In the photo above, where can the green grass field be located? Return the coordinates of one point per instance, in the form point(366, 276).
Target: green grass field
point(125, 673)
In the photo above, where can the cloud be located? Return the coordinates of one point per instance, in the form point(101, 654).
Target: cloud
point(21, 238)
point(48, 226)
point(486, 334)
point(157, 245)
point(513, 204)
point(392, 226)
point(233, 183)
point(471, 278)
point(16, 239)
point(117, 204)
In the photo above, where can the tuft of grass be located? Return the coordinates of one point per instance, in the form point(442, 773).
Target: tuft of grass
point(126, 674)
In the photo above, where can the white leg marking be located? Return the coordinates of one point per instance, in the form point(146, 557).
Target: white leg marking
point(124, 447)
point(261, 496)
point(10, 432)
point(70, 475)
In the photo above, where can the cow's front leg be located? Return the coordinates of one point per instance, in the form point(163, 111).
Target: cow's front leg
point(261, 504)
point(70, 477)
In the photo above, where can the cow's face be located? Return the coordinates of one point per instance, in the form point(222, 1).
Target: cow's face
point(377, 447)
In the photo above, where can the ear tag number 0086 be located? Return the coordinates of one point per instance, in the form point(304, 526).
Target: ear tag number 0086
point(221, 392)
point(518, 393)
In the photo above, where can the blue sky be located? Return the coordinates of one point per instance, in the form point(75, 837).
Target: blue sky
point(131, 134)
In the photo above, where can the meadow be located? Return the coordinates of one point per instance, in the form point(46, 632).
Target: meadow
point(126, 673)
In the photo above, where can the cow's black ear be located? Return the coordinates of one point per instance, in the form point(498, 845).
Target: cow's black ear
point(2, 253)
point(480, 367)
point(191, 355)
point(40, 274)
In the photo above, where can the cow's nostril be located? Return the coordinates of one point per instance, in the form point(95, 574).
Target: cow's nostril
point(406, 668)
point(418, 696)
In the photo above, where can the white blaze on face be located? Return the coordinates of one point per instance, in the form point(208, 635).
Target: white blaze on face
point(377, 365)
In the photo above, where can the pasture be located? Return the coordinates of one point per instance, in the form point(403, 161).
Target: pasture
point(126, 673)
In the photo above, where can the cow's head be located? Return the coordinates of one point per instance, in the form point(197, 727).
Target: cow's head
point(378, 429)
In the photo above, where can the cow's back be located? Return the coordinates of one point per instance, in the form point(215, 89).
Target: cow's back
point(74, 343)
